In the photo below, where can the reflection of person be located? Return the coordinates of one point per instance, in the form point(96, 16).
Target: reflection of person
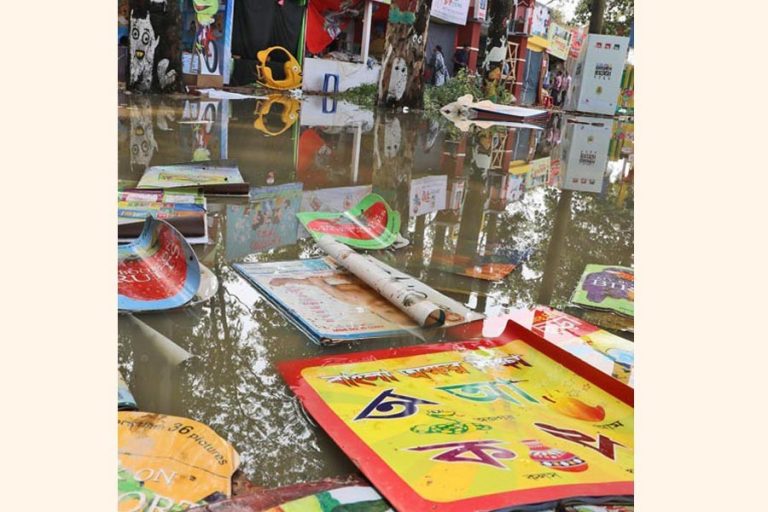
point(441, 72)
point(350, 290)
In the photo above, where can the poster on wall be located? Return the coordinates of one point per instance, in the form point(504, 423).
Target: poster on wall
point(207, 37)
point(578, 35)
point(475, 425)
point(480, 8)
point(452, 11)
point(559, 41)
point(540, 21)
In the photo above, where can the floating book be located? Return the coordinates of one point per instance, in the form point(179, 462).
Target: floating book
point(184, 211)
point(607, 288)
point(330, 304)
point(214, 177)
point(488, 424)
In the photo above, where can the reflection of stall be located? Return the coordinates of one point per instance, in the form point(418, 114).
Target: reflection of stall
point(585, 153)
point(339, 37)
point(427, 195)
point(204, 128)
point(539, 174)
point(325, 152)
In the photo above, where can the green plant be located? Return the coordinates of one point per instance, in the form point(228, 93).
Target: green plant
point(363, 95)
point(457, 86)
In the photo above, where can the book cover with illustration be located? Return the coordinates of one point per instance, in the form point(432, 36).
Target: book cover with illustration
point(331, 305)
point(607, 287)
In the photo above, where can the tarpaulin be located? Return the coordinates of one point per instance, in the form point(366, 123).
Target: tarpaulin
point(326, 19)
point(260, 24)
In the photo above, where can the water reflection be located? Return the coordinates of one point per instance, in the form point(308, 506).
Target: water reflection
point(461, 195)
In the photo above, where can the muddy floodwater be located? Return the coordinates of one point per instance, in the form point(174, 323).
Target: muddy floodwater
point(499, 192)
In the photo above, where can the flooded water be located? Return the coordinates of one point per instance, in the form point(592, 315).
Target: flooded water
point(498, 193)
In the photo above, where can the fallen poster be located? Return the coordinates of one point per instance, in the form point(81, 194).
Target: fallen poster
point(170, 463)
point(220, 177)
point(266, 222)
point(402, 295)
point(580, 338)
point(607, 287)
point(475, 425)
point(332, 200)
point(157, 271)
point(371, 224)
point(331, 305)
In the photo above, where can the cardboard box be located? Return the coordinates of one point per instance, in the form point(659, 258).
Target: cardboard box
point(205, 81)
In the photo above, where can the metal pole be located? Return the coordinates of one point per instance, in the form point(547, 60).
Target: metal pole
point(367, 20)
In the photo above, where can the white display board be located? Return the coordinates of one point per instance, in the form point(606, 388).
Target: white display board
point(597, 75)
point(584, 149)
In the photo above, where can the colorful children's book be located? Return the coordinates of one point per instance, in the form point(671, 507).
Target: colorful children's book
point(214, 177)
point(508, 423)
point(607, 287)
point(184, 211)
point(331, 305)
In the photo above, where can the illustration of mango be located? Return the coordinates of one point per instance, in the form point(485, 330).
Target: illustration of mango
point(575, 408)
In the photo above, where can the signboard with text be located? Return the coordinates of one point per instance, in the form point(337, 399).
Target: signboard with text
point(475, 425)
point(559, 41)
point(452, 11)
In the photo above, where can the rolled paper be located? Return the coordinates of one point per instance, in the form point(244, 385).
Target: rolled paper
point(426, 313)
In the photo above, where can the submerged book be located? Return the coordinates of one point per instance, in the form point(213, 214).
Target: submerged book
point(215, 177)
point(607, 288)
point(331, 305)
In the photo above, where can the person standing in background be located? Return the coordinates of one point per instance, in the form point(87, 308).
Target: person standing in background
point(441, 72)
point(566, 87)
point(557, 88)
point(459, 60)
